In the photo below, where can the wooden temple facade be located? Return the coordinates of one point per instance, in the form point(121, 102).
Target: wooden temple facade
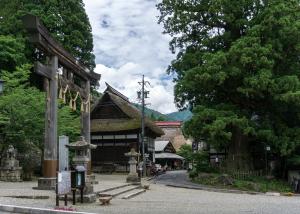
point(115, 129)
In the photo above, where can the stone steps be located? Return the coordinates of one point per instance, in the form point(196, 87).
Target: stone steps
point(120, 191)
point(113, 188)
point(133, 194)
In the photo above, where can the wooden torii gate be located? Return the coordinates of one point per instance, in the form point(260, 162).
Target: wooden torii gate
point(58, 59)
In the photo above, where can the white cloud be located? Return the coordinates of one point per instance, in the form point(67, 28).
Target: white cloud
point(126, 78)
point(128, 42)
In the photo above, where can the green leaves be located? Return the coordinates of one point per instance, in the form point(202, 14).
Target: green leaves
point(12, 52)
point(18, 78)
point(186, 151)
point(238, 69)
point(215, 125)
point(25, 110)
point(68, 123)
point(66, 20)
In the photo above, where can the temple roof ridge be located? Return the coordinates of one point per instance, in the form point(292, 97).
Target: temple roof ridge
point(115, 92)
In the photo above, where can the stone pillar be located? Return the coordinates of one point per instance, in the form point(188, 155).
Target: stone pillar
point(63, 153)
point(50, 141)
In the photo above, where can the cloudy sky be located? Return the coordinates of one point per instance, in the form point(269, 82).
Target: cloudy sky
point(128, 43)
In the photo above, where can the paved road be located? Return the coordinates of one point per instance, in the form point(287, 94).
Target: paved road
point(164, 200)
point(179, 177)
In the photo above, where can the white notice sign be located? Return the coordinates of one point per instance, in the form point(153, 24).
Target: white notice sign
point(59, 177)
point(64, 182)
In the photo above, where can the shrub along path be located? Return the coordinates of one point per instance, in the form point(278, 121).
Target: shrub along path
point(210, 183)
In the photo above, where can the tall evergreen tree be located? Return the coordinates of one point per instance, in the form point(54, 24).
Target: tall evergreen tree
point(238, 68)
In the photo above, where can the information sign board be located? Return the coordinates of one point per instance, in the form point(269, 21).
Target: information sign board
point(64, 182)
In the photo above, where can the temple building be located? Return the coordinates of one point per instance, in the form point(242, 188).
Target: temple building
point(173, 133)
point(115, 129)
point(165, 155)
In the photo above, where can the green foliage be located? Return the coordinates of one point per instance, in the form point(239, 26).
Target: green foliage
point(66, 20)
point(12, 52)
point(237, 67)
point(257, 184)
point(193, 174)
point(68, 123)
point(18, 78)
point(215, 125)
point(30, 161)
point(201, 162)
point(174, 116)
point(22, 113)
point(152, 114)
point(22, 106)
point(186, 151)
point(24, 109)
point(294, 161)
point(262, 184)
point(180, 115)
point(69, 24)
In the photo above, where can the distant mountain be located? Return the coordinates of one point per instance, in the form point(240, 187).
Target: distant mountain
point(152, 114)
point(174, 116)
point(180, 115)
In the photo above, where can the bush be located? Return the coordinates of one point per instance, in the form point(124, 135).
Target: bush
point(193, 173)
point(201, 162)
point(186, 151)
point(30, 162)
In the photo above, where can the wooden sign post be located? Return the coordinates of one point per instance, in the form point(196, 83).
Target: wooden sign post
point(74, 78)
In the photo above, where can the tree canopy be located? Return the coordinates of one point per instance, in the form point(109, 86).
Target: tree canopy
point(66, 20)
point(22, 104)
point(237, 67)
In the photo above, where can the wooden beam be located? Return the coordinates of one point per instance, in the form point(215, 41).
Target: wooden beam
point(42, 70)
point(40, 36)
point(83, 93)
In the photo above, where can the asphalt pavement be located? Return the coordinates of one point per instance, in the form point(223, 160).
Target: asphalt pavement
point(161, 199)
point(176, 178)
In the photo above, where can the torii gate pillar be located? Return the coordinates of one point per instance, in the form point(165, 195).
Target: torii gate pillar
point(48, 181)
point(86, 127)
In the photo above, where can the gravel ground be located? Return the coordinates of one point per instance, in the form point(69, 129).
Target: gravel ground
point(161, 199)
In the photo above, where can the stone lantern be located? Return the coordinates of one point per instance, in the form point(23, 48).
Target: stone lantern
point(132, 176)
point(10, 169)
point(81, 149)
point(80, 161)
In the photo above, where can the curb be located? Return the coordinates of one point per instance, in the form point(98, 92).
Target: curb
point(33, 210)
point(216, 190)
point(150, 178)
point(232, 191)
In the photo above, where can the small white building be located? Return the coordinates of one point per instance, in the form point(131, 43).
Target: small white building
point(165, 155)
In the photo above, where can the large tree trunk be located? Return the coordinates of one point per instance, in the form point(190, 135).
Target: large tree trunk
point(239, 152)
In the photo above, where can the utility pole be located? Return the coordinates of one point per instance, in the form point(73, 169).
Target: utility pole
point(142, 95)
